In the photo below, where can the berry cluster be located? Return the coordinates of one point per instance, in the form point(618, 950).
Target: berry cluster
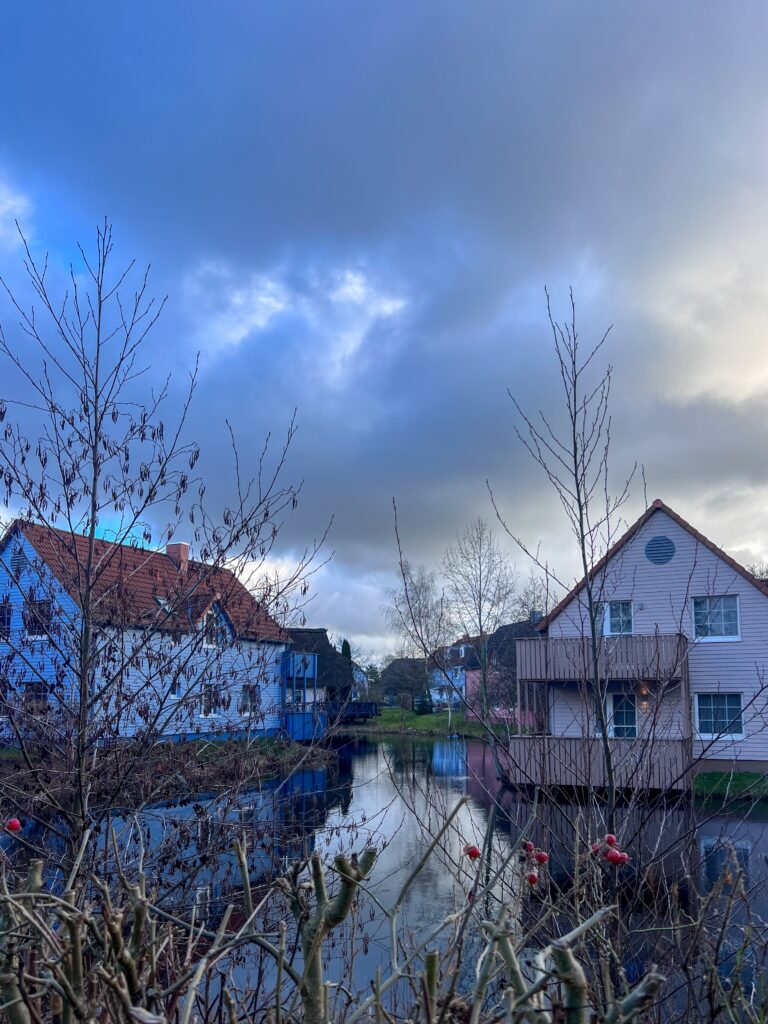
point(609, 850)
point(532, 857)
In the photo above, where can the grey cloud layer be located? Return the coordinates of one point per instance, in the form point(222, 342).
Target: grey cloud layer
point(355, 207)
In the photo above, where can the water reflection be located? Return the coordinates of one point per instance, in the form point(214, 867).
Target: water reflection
point(394, 794)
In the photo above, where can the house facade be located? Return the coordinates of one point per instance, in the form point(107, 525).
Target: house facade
point(448, 669)
point(682, 660)
point(520, 706)
point(179, 648)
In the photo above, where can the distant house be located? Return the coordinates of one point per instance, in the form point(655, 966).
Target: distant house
point(403, 679)
point(334, 679)
point(179, 647)
point(359, 682)
point(447, 669)
point(682, 657)
point(521, 706)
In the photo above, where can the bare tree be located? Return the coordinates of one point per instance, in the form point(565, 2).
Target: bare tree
point(96, 479)
point(575, 461)
point(534, 598)
point(481, 589)
point(416, 612)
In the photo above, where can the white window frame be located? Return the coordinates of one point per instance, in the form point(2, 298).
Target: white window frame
point(607, 617)
point(209, 714)
point(718, 735)
point(206, 643)
point(252, 711)
point(610, 711)
point(731, 639)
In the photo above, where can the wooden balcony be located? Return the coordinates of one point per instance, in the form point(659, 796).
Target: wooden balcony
point(639, 764)
point(657, 656)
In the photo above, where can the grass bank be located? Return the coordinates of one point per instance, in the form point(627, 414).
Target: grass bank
point(721, 786)
point(400, 721)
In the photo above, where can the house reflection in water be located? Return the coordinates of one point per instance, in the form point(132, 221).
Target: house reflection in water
point(188, 845)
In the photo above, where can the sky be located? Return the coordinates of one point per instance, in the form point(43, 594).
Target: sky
point(354, 208)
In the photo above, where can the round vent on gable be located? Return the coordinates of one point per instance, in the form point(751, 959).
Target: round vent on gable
point(660, 550)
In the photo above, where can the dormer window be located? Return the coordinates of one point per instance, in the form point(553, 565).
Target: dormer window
point(212, 633)
point(163, 604)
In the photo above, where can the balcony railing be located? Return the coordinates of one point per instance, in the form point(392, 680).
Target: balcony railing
point(639, 764)
point(654, 656)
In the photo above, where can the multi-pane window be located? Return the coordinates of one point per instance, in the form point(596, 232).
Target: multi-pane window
point(614, 618)
point(623, 716)
point(618, 619)
point(716, 617)
point(719, 714)
point(36, 693)
point(249, 699)
point(211, 699)
point(37, 617)
point(5, 620)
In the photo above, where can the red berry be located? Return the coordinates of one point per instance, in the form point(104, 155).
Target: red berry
point(13, 825)
point(596, 847)
point(473, 852)
point(613, 856)
point(624, 857)
point(530, 847)
point(540, 857)
point(610, 839)
point(532, 878)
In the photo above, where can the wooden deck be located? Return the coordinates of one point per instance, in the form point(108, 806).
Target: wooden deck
point(578, 762)
point(658, 656)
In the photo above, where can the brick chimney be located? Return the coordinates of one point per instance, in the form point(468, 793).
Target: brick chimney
point(179, 555)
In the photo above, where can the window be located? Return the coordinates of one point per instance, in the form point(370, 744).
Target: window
point(212, 633)
point(249, 699)
point(37, 618)
point(163, 604)
point(211, 700)
point(36, 697)
point(174, 687)
point(614, 618)
point(5, 620)
point(716, 618)
point(620, 716)
point(618, 618)
point(719, 714)
point(202, 903)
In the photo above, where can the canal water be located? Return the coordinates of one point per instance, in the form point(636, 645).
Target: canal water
point(395, 794)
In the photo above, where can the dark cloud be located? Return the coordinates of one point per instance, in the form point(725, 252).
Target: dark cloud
point(355, 207)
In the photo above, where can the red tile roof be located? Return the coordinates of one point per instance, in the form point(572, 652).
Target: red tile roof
point(130, 582)
point(655, 506)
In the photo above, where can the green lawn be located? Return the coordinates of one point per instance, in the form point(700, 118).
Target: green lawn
point(436, 724)
point(727, 785)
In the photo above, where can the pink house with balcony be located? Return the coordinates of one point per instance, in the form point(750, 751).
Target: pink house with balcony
point(682, 663)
